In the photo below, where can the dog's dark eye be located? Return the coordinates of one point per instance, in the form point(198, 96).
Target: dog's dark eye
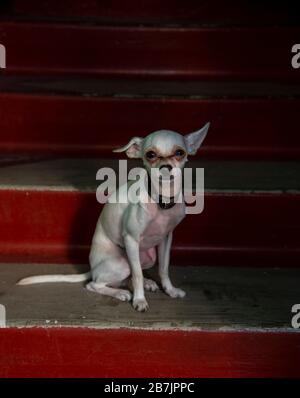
point(179, 153)
point(150, 155)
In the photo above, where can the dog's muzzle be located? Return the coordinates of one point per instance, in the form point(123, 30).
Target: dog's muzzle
point(166, 166)
point(164, 177)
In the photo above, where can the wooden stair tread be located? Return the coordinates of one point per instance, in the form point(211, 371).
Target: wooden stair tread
point(218, 298)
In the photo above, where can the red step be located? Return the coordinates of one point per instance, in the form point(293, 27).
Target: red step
point(58, 227)
point(146, 353)
point(49, 210)
point(86, 126)
point(187, 53)
point(155, 11)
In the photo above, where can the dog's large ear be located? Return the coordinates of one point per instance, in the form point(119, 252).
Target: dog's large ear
point(133, 148)
point(194, 140)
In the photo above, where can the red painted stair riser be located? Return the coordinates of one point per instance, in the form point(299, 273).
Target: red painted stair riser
point(156, 11)
point(54, 226)
point(193, 53)
point(146, 353)
point(77, 126)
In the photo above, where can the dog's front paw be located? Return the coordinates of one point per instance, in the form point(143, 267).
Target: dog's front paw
point(140, 305)
point(123, 295)
point(150, 285)
point(174, 292)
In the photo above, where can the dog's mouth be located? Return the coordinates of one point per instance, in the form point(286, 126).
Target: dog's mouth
point(165, 184)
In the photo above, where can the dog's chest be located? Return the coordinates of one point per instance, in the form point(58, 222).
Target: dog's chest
point(161, 223)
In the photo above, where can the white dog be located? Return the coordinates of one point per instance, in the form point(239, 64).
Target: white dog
point(127, 234)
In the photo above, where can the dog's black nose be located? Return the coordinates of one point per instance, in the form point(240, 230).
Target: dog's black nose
point(167, 166)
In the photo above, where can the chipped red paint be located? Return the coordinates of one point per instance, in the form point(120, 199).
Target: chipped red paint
point(192, 53)
point(268, 133)
point(234, 229)
point(143, 353)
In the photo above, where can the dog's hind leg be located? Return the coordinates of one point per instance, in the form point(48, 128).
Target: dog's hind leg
point(120, 294)
point(108, 276)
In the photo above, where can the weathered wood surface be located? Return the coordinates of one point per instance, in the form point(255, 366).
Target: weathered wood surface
point(217, 299)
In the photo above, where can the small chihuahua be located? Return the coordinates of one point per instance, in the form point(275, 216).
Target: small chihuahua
point(127, 234)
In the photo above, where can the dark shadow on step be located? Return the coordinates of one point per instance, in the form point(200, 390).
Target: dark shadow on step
point(88, 210)
point(6, 7)
point(82, 228)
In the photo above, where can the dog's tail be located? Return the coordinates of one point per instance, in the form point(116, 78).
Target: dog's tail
point(55, 278)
